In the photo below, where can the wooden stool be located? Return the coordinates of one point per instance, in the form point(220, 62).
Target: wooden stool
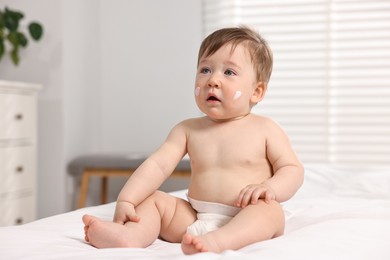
point(112, 165)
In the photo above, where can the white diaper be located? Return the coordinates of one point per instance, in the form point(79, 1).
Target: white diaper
point(210, 216)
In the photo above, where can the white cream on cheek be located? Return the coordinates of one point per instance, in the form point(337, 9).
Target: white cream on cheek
point(237, 95)
point(197, 91)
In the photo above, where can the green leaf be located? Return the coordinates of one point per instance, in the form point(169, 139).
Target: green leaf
point(2, 49)
point(36, 30)
point(15, 56)
point(10, 24)
point(11, 19)
point(13, 39)
point(22, 39)
point(15, 14)
point(1, 19)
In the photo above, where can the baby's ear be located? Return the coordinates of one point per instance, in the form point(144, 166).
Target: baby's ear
point(259, 92)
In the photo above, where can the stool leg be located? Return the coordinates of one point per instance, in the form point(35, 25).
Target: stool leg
point(83, 189)
point(103, 193)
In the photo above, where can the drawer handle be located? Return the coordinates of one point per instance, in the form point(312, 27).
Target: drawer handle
point(19, 221)
point(19, 169)
point(19, 116)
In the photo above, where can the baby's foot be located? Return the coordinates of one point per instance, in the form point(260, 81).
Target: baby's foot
point(94, 231)
point(192, 245)
point(106, 234)
point(88, 221)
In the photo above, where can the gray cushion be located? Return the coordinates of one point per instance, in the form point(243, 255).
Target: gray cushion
point(114, 161)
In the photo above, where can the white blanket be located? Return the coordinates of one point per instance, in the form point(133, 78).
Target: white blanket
point(339, 213)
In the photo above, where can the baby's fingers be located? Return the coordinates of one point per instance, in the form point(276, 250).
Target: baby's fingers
point(242, 198)
point(134, 218)
point(246, 197)
point(256, 195)
point(122, 219)
point(119, 220)
point(269, 195)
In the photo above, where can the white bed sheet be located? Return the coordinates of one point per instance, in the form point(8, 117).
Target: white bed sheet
point(339, 213)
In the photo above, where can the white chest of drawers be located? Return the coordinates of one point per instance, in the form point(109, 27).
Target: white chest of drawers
point(18, 147)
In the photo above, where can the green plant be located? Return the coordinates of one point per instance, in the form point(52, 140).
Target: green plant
point(9, 32)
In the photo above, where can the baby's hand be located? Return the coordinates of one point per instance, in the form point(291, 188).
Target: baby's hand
point(125, 212)
point(253, 192)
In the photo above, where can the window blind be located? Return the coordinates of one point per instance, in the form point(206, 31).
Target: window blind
point(330, 88)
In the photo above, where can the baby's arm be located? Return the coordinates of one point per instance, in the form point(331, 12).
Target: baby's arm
point(151, 174)
point(287, 169)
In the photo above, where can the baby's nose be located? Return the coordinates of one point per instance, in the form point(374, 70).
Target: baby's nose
point(214, 82)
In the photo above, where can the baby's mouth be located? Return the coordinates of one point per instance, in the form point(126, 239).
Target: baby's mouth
point(213, 98)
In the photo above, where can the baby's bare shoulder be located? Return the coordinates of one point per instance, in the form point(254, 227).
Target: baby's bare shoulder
point(192, 123)
point(264, 121)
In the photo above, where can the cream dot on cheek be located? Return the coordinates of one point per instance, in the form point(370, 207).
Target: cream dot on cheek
point(237, 95)
point(197, 91)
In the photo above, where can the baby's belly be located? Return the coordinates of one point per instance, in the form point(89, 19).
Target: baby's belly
point(222, 187)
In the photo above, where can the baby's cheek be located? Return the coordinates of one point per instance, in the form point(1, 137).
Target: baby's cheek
point(197, 91)
point(237, 95)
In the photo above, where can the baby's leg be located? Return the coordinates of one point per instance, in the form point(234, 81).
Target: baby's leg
point(107, 234)
point(156, 213)
point(252, 224)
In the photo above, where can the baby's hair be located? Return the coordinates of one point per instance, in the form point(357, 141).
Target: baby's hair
point(260, 52)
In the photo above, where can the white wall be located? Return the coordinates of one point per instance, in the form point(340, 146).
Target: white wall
point(117, 75)
point(149, 50)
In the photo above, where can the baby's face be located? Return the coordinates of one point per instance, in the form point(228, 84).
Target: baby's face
point(225, 83)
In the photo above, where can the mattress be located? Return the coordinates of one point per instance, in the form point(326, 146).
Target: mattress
point(341, 212)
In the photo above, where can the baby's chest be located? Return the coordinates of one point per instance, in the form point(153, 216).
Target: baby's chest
point(230, 145)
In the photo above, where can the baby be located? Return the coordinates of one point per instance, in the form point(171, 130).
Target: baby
point(242, 165)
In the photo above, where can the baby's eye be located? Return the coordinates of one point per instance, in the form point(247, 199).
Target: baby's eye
point(230, 73)
point(204, 70)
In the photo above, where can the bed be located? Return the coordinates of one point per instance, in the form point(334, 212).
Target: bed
point(339, 213)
